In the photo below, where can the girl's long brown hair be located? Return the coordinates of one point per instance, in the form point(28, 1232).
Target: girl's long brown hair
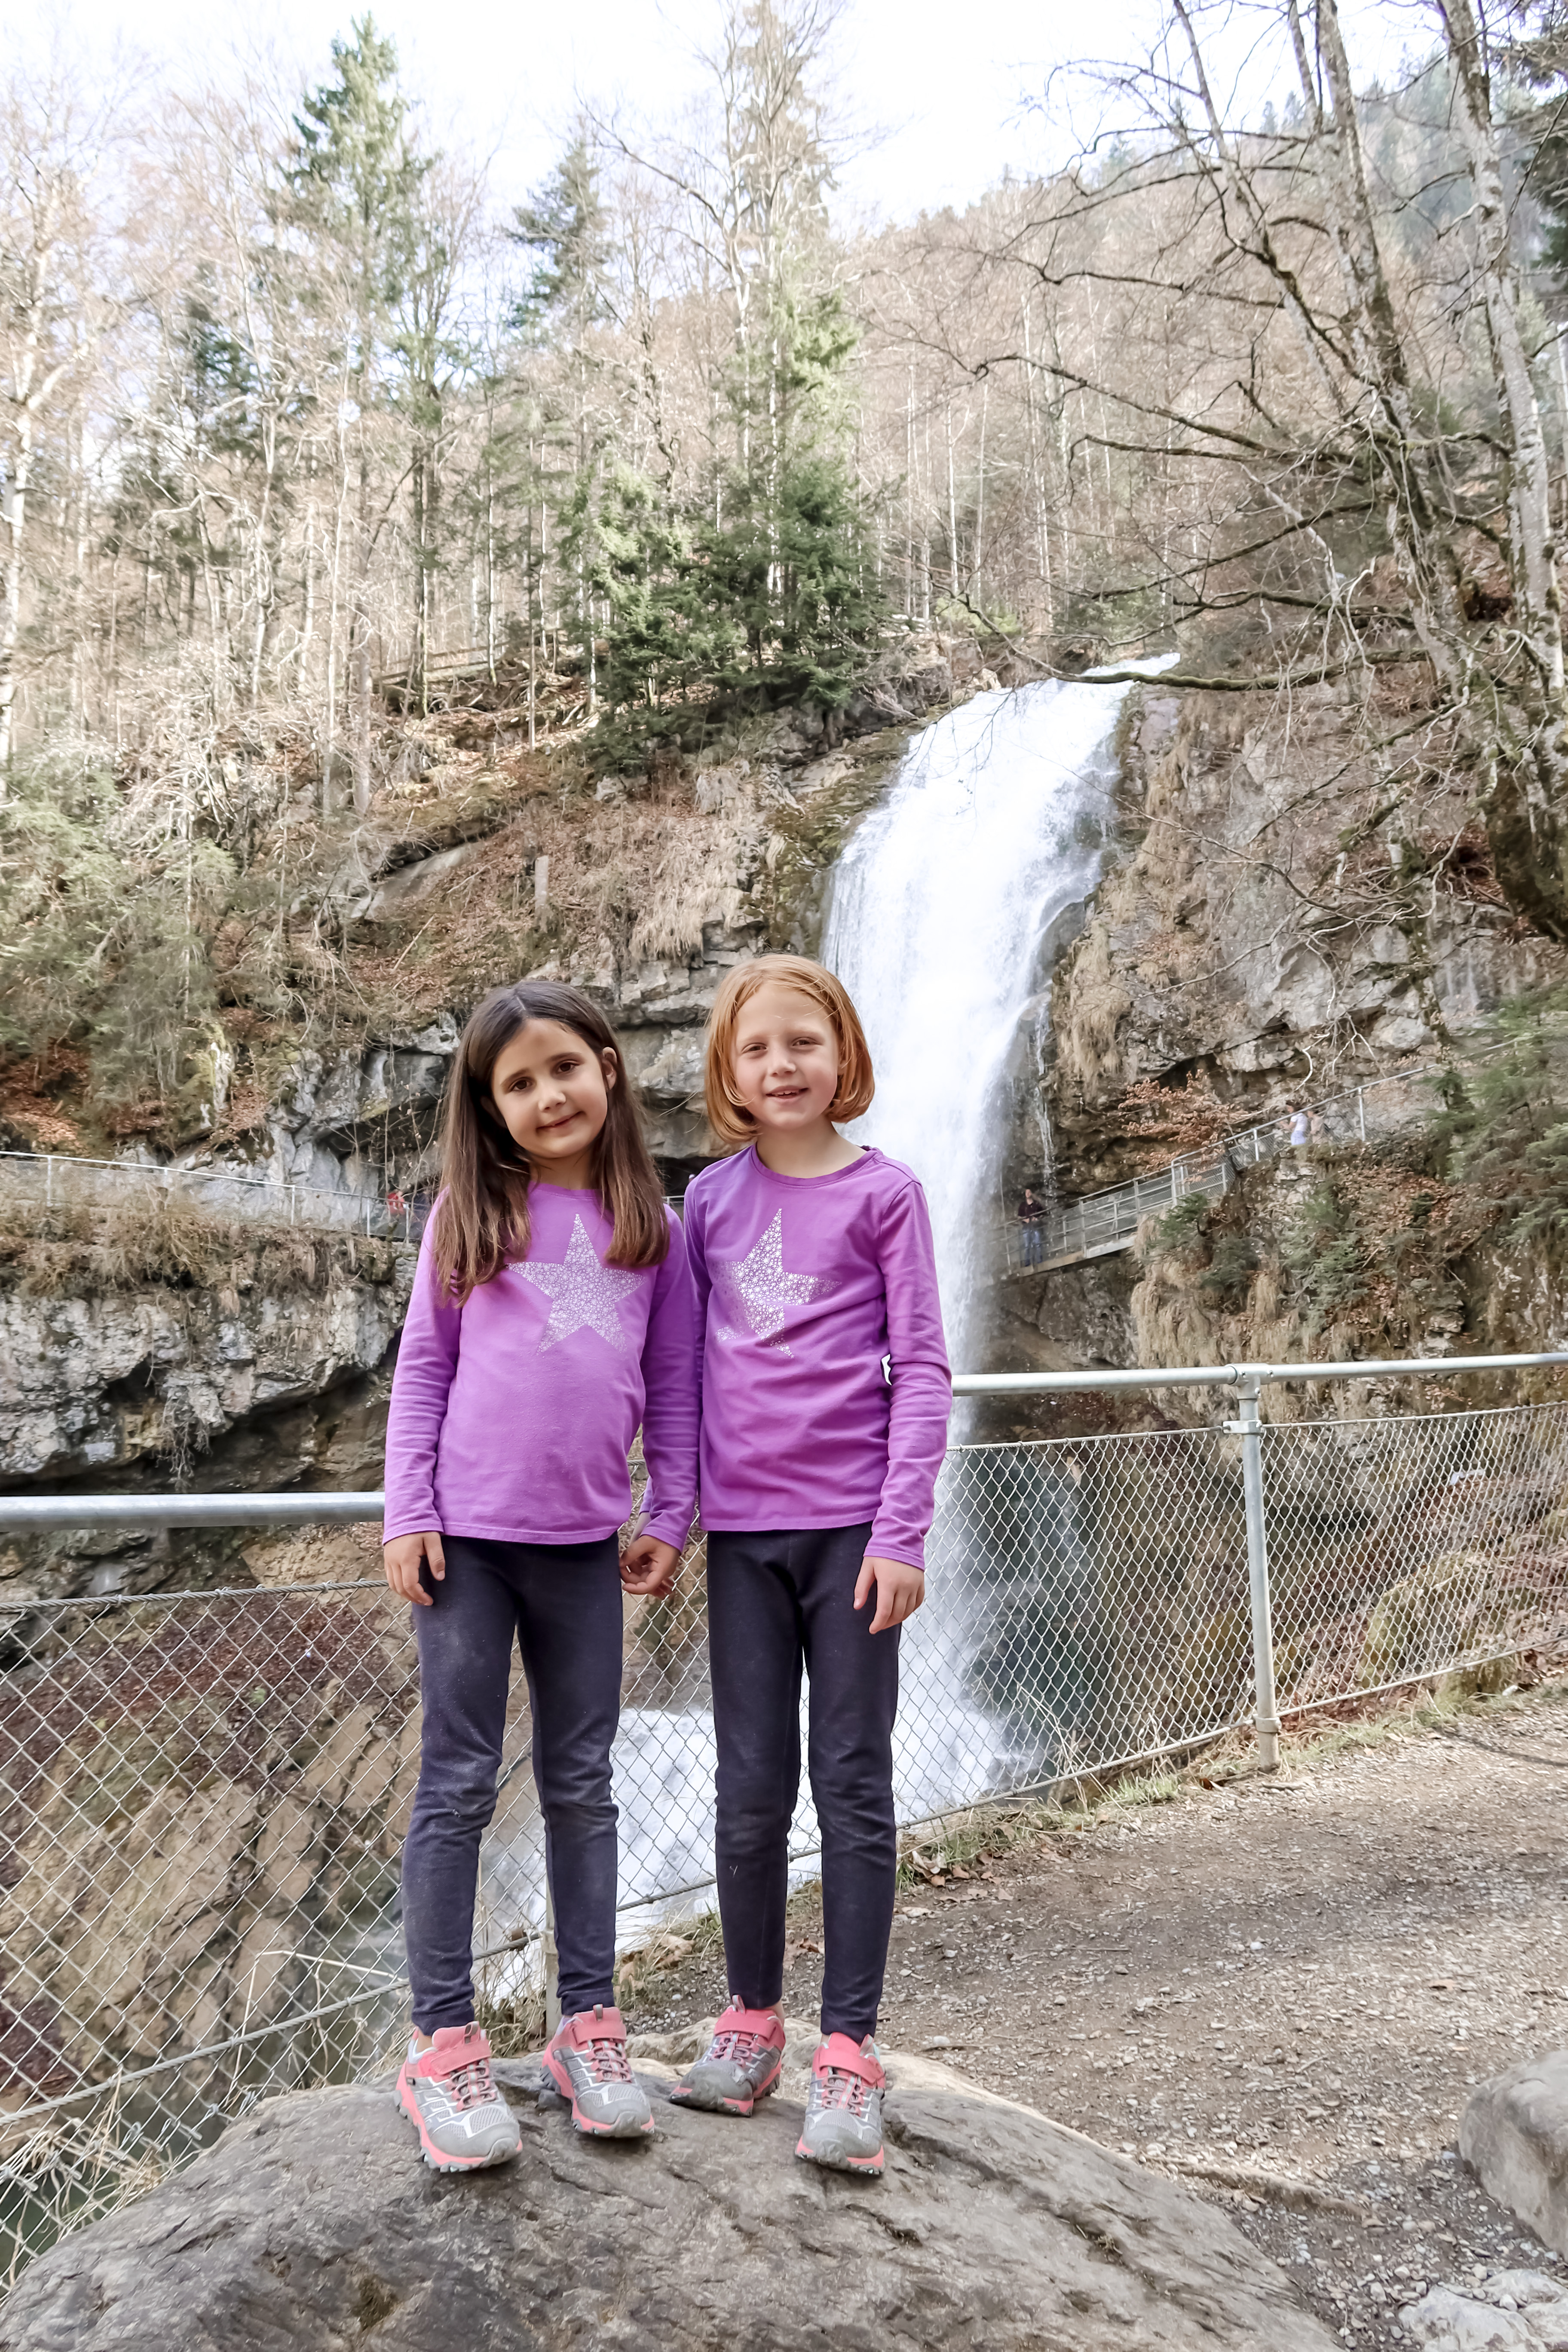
point(481, 1219)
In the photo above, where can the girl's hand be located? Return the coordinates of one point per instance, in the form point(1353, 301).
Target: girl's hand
point(901, 1589)
point(401, 1559)
point(647, 1566)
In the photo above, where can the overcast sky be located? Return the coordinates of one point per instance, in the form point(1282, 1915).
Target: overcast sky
point(947, 87)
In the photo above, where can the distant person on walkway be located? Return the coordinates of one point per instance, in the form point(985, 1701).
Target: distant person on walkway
point(813, 1263)
point(552, 1313)
point(1031, 1238)
point(1301, 1126)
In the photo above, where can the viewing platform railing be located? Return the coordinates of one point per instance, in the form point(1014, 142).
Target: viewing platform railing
point(61, 1180)
point(1099, 1224)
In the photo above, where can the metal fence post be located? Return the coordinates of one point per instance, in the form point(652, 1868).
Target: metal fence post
point(1249, 1427)
point(552, 1966)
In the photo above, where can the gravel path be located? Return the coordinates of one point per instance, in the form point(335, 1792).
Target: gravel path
point(1292, 1981)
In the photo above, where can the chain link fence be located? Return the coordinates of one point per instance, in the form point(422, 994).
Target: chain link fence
point(203, 1795)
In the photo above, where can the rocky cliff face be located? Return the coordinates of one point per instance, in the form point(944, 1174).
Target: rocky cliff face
point(1271, 928)
point(1269, 921)
point(159, 1345)
point(643, 896)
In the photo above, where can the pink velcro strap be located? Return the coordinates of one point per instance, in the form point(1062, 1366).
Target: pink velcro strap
point(763, 2023)
point(845, 2057)
point(595, 2025)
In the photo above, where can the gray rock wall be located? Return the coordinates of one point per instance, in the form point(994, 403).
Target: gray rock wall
point(272, 1375)
point(1269, 919)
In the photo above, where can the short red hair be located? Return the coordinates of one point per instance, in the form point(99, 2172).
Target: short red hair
point(727, 1115)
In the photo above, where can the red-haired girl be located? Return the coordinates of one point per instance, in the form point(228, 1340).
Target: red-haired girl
point(553, 1312)
point(825, 1404)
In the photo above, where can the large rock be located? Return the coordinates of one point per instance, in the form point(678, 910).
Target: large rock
point(1512, 2311)
point(315, 2225)
point(1515, 2137)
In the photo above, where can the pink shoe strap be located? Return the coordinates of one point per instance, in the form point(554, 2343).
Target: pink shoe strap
point(453, 2047)
point(590, 2025)
point(601, 2037)
point(763, 2024)
point(839, 2055)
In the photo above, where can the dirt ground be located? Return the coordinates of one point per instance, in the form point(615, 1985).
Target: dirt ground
point(1284, 1987)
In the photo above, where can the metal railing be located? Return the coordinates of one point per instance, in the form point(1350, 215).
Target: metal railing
point(1099, 1224)
point(58, 1179)
point(202, 1794)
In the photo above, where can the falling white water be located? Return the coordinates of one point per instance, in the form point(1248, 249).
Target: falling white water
point(940, 910)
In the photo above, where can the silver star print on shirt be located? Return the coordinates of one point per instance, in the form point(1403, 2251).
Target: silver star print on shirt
point(581, 1292)
point(755, 1292)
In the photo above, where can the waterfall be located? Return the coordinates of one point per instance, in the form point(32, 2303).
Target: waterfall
point(939, 910)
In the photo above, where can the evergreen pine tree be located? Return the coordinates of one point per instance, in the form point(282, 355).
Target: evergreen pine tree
point(565, 230)
point(355, 180)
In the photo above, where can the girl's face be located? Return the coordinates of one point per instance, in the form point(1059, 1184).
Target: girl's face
point(552, 1090)
point(785, 1065)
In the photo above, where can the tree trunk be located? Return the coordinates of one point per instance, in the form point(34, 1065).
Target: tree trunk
point(359, 645)
point(15, 513)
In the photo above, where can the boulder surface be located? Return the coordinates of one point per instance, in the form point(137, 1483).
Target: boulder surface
point(1514, 2136)
point(315, 2225)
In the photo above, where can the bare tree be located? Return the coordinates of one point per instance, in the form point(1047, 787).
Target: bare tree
point(1325, 373)
point(58, 299)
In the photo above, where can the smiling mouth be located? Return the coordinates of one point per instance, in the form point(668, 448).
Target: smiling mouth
point(551, 1126)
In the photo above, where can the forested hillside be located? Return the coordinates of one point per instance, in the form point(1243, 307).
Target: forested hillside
point(350, 520)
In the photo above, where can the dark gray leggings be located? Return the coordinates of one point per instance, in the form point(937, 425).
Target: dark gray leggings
point(777, 1603)
point(561, 1605)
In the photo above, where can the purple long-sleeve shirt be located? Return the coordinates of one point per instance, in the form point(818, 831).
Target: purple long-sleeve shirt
point(804, 1286)
point(512, 1415)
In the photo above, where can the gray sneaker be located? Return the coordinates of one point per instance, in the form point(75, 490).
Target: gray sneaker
point(740, 2065)
point(844, 2107)
point(450, 2095)
point(587, 2063)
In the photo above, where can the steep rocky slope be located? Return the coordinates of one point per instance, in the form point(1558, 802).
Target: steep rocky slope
point(481, 865)
point(1273, 928)
point(155, 1344)
point(1271, 922)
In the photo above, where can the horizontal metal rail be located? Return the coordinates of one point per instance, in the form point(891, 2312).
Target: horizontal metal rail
point(19, 1512)
point(358, 1209)
point(215, 1510)
point(1232, 1376)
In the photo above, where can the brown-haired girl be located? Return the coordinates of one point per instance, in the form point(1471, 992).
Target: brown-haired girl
point(553, 1312)
point(825, 1402)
